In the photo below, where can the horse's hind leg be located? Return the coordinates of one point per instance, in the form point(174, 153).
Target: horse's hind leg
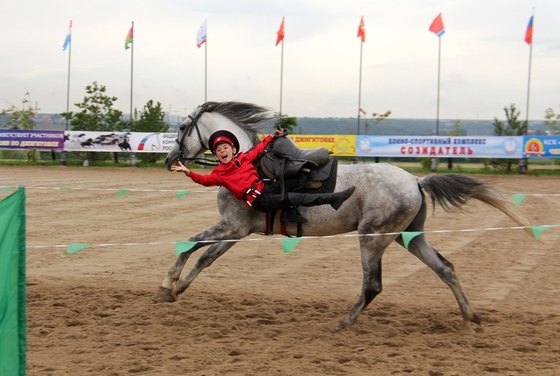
point(420, 247)
point(445, 271)
point(372, 249)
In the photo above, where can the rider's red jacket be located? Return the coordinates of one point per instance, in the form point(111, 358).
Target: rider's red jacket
point(239, 175)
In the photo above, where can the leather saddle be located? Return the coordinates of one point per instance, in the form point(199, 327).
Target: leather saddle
point(283, 161)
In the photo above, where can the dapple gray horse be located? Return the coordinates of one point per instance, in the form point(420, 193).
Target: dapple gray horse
point(387, 200)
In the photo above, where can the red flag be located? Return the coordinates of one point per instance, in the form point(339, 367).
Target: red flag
point(280, 33)
point(362, 30)
point(437, 26)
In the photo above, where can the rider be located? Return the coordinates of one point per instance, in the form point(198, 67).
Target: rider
point(237, 173)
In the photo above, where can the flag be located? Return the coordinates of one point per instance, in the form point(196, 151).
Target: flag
point(362, 30)
point(529, 32)
point(129, 38)
point(13, 340)
point(68, 37)
point(437, 26)
point(280, 33)
point(201, 35)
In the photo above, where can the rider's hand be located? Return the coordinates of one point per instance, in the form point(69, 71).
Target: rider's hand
point(277, 133)
point(179, 167)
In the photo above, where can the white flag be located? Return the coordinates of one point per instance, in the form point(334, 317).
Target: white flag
point(201, 35)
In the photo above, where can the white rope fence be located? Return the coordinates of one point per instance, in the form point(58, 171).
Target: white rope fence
point(407, 236)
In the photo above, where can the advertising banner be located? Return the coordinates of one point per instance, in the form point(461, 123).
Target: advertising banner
point(19, 139)
point(134, 142)
point(339, 145)
point(541, 146)
point(438, 146)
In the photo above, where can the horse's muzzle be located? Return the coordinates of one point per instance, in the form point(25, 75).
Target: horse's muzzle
point(169, 162)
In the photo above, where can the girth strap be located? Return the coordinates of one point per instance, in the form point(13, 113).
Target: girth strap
point(269, 226)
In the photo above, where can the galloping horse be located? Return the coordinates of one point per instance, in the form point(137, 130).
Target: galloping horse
point(387, 200)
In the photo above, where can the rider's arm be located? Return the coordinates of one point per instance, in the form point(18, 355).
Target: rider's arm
point(207, 180)
point(253, 153)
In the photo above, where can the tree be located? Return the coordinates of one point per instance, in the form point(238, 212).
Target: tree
point(151, 120)
point(512, 127)
point(376, 118)
point(458, 130)
point(97, 112)
point(22, 118)
point(552, 120)
point(286, 122)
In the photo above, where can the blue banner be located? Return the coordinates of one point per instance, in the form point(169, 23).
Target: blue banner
point(541, 146)
point(438, 146)
point(17, 139)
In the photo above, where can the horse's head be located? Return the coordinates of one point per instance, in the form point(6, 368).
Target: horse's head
point(242, 119)
point(188, 145)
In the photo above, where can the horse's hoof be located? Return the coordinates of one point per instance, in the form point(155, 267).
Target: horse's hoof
point(165, 295)
point(341, 326)
point(475, 319)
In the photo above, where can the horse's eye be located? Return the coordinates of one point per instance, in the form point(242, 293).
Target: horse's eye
point(182, 127)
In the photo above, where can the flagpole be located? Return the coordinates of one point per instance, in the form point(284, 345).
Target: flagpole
point(360, 89)
point(131, 74)
point(438, 85)
point(63, 155)
point(206, 65)
point(281, 76)
point(529, 73)
point(132, 155)
point(68, 81)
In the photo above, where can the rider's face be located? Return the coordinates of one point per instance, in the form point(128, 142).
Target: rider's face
point(225, 152)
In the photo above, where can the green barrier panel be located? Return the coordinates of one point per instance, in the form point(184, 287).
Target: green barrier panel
point(13, 340)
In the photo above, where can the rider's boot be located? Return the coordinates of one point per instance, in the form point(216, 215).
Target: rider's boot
point(309, 199)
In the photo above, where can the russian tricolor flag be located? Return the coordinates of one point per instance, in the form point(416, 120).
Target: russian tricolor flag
point(529, 32)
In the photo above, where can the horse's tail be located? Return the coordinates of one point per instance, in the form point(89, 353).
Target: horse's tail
point(451, 191)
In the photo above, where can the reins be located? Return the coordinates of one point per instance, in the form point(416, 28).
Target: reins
point(187, 132)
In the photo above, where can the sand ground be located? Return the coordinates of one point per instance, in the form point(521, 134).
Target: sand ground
point(258, 311)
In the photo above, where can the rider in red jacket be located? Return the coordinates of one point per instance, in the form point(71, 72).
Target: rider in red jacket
point(237, 173)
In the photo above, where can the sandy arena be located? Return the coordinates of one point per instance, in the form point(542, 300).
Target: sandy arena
point(259, 311)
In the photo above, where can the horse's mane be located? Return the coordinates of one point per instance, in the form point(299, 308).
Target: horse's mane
point(248, 116)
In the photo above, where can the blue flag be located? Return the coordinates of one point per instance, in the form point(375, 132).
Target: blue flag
point(68, 37)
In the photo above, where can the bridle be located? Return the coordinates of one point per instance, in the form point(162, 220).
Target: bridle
point(187, 131)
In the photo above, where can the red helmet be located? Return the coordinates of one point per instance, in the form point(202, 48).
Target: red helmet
point(220, 137)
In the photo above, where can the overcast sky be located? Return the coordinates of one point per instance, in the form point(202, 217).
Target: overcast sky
point(484, 59)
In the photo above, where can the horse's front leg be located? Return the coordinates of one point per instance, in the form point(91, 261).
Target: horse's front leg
point(203, 262)
point(223, 230)
point(371, 249)
point(165, 292)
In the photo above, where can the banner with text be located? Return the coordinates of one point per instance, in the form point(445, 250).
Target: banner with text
point(541, 146)
point(441, 147)
point(135, 142)
point(339, 145)
point(17, 139)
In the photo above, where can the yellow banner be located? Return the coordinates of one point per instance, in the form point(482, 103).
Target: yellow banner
point(339, 145)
